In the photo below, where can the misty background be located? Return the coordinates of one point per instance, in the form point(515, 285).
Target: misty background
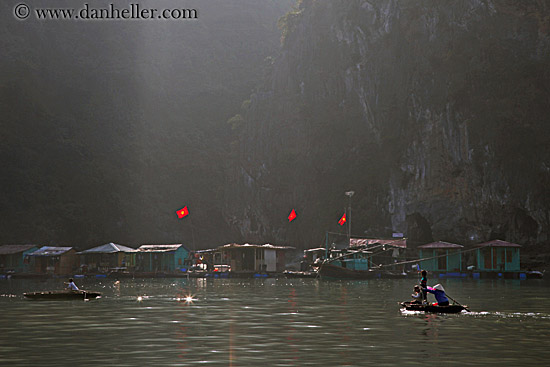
point(436, 115)
point(109, 127)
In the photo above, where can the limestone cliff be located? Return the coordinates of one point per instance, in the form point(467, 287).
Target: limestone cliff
point(435, 113)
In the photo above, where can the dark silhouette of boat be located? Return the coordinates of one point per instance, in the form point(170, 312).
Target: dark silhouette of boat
point(63, 295)
point(454, 308)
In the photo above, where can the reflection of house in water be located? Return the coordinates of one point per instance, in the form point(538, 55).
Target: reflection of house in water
point(12, 257)
point(108, 257)
point(54, 260)
point(250, 258)
point(161, 258)
point(441, 256)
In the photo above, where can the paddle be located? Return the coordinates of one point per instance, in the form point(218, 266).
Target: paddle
point(451, 298)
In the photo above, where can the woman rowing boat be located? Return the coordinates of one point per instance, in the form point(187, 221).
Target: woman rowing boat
point(439, 292)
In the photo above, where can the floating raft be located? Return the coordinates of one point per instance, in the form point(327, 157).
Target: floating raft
point(63, 295)
point(433, 308)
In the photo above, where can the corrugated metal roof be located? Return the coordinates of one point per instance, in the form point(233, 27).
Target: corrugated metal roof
point(315, 249)
point(399, 242)
point(441, 244)
point(14, 249)
point(109, 248)
point(50, 251)
point(248, 245)
point(206, 251)
point(159, 248)
point(498, 243)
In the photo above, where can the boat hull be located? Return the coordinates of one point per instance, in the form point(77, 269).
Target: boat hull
point(432, 308)
point(62, 295)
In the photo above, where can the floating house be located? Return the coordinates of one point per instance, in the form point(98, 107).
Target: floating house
point(252, 258)
point(374, 251)
point(108, 257)
point(365, 258)
point(53, 260)
point(161, 258)
point(13, 258)
point(497, 256)
point(441, 257)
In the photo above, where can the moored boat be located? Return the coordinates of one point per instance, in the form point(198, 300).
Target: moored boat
point(66, 295)
point(454, 308)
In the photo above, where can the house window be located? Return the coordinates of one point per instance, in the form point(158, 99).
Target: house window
point(259, 254)
point(442, 260)
point(509, 255)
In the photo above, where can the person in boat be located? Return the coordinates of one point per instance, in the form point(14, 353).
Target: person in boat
point(439, 292)
point(71, 286)
point(417, 295)
point(424, 285)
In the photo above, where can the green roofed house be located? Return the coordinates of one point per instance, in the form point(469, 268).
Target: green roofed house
point(441, 257)
point(53, 260)
point(161, 258)
point(498, 256)
point(12, 258)
point(108, 257)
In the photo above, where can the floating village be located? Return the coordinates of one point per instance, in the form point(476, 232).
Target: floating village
point(354, 258)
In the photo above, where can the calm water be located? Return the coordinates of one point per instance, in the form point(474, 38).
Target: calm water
point(273, 322)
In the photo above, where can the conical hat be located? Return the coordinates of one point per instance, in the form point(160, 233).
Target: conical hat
point(439, 287)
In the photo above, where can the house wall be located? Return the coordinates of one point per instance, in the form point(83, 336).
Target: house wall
point(270, 260)
point(441, 260)
point(180, 256)
point(429, 264)
point(454, 260)
point(68, 262)
point(127, 259)
point(498, 259)
point(16, 262)
point(281, 260)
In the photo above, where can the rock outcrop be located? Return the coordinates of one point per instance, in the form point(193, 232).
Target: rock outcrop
point(436, 114)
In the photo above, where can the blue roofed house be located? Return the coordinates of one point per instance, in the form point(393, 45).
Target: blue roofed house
point(108, 257)
point(161, 258)
point(13, 258)
point(53, 260)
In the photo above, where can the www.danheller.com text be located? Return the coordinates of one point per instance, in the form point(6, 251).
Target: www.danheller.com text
point(133, 11)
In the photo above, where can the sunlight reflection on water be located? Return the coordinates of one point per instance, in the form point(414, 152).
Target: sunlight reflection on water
point(285, 322)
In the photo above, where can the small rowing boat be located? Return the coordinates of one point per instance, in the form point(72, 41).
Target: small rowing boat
point(409, 306)
point(63, 295)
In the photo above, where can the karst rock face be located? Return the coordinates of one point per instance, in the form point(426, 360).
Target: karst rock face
point(435, 113)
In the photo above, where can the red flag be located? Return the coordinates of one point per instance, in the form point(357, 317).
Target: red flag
point(292, 216)
point(342, 220)
point(182, 212)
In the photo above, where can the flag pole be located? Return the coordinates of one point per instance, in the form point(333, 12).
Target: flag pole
point(349, 194)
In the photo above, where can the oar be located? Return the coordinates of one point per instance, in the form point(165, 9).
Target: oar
point(452, 299)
